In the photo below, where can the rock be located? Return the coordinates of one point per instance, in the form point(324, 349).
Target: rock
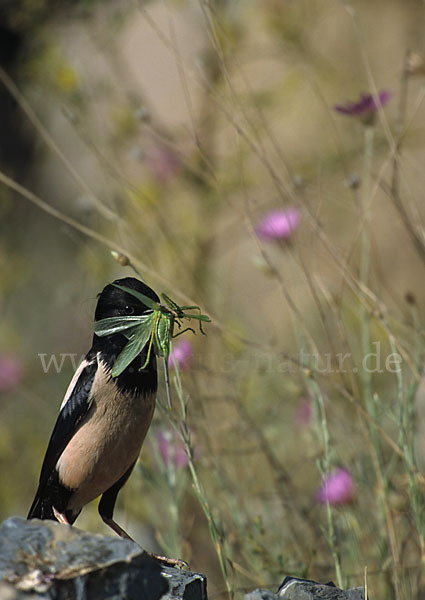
point(47, 560)
point(261, 594)
point(44, 560)
point(293, 588)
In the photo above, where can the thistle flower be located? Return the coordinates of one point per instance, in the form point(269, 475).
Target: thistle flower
point(338, 488)
point(10, 372)
point(278, 224)
point(171, 448)
point(366, 107)
point(182, 354)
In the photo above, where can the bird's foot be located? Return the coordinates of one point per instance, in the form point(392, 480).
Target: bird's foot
point(177, 563)
point(60, 517)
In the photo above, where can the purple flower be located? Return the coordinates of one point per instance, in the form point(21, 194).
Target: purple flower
point(10, 372)
point(279, 224)
point(171, 448)
point(163, 163)
point(366, 107)
point(181, 353)
point(339, 488)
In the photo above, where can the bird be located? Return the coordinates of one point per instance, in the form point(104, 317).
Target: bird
point(102, 422)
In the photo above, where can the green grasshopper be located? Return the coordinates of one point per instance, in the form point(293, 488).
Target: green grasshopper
point(155, 328)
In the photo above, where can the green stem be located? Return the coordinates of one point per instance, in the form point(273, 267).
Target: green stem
point(215, 529)
point(406, 423)
point(317, 394)
point(366, 376)
point(369, 134)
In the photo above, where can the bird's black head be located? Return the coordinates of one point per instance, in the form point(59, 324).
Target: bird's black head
point(114, 302)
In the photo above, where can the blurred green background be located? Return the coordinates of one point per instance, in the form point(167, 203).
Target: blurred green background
point(168, 131)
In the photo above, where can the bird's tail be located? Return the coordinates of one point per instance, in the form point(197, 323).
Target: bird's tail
point(41, 509)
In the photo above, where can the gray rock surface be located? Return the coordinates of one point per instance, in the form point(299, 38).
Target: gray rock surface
point(261, 594)
point(47, 560)
point(44, 560)
point(305, 589)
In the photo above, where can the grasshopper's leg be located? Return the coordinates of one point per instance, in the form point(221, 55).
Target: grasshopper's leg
point(190, 308)
point(197, 317)
point(183, 331)
point(171, 304)
point(150, 343)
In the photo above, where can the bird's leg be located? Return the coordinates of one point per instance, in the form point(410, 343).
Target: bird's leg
point(169, 562)
point(60, 516)
point(107, 503)
point(106, 511)
point(119, 530)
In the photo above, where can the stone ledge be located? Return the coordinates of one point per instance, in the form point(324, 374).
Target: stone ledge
point(44, 559)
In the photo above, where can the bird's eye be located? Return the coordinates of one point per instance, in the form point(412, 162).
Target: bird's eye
point(129, 310)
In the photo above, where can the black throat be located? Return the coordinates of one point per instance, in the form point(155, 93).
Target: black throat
point(133, 379)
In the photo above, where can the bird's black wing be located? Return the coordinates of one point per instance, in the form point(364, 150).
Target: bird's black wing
point(73, 410)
